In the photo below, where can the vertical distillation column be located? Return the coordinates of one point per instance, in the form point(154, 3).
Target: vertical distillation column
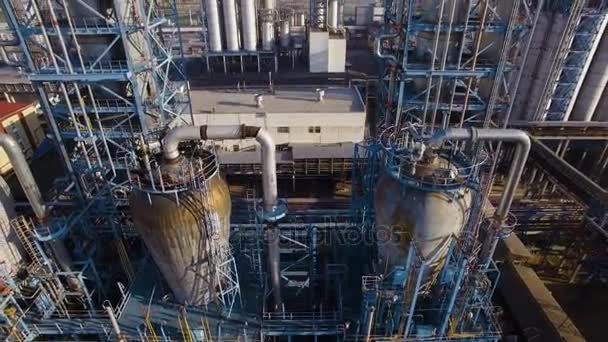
point(267, 16)
point(250, 32)
point(230, 23)
point(214, 33)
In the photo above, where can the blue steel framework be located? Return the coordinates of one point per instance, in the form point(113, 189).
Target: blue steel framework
point(478, 80)
point(106, 78)
point(397, 303)
point(469, 78)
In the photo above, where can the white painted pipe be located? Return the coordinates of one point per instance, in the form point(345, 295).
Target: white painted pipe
point(285, 34)
point(587, 68)
point(250, 32)
point(24, 174)
point(230, 25)
point(267, 35)
point(214, 33)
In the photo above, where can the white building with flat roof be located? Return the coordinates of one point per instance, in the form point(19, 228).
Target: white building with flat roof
point(292, 116)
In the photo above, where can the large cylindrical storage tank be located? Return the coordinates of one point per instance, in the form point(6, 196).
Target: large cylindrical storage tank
point(285, 34)
point(230, 23)
point(214, 34)
point(180, 228)
point(250, 32)
point(406, 213)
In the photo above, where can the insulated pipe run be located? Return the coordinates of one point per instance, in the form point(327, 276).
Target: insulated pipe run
point(522, 150)
point(269, 174)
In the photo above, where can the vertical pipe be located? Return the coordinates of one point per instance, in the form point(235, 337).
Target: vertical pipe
point(462, 271)
point(285, 34)
point(412, 307)
point(267, 19)
point(248, 18)
point(332, 20)
point(213, 26)
point(370, 324)
point(274, 264)
point(230, 23)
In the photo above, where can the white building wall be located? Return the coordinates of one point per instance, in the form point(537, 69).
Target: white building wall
point(334, 127)
point(318, 54)
point(337, 55)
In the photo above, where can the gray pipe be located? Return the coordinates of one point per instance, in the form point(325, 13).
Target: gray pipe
point(269, 179)
point(24, 174)
point(518, 163)
point(378, 47)
point(269, 174)
point(120, 337)
point(34, 197)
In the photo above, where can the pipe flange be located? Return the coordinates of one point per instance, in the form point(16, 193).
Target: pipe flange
point(278, 212)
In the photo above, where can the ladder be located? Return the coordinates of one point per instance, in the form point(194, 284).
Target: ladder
point(559, 60)
point(24, 229)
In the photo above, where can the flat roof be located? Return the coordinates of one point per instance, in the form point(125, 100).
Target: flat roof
point(336, 100)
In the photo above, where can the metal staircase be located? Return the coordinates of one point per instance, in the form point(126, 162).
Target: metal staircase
point(23, 227)
point(576, 62)
point(559, 60)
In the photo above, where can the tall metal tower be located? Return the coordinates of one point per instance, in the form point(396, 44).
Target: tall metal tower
point(107, 76)
point(453, 62)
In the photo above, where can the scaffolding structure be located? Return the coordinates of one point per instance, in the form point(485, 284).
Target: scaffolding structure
point(447, 68)
point(457, 64)
point(107, 76)
point(312, 287)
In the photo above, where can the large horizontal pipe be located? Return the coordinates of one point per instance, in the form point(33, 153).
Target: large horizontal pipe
point(519, 137)
point(269, 175)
